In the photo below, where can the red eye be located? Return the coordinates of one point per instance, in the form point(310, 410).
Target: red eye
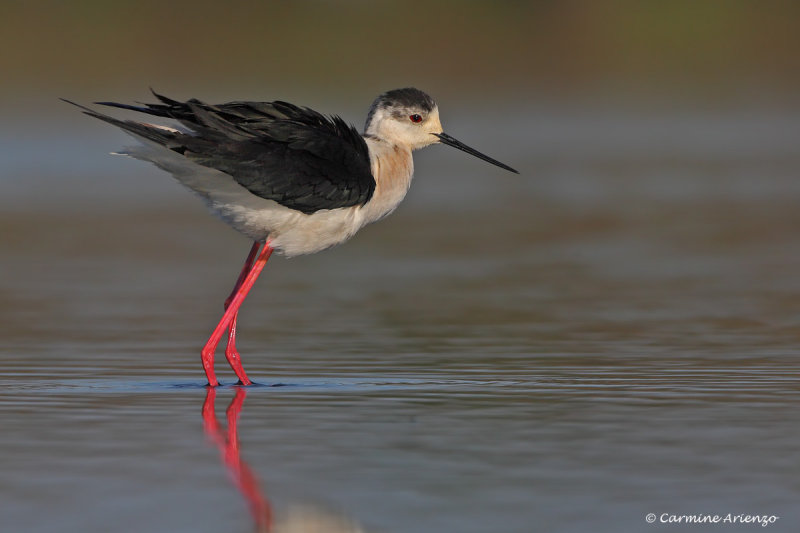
point(415, 118)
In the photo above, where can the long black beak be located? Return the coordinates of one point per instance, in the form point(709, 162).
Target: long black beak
point(449, 141)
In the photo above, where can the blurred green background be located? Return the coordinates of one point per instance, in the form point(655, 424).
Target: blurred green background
point(309, 51)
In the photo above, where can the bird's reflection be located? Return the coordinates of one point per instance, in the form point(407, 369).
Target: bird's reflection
point(298, 519)
point(228, 444)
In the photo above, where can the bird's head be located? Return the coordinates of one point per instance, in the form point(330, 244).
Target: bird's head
point(409, 117)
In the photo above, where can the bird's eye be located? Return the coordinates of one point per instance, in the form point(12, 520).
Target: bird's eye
point(415, 118)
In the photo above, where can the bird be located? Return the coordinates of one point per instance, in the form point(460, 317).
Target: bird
point(289, 178)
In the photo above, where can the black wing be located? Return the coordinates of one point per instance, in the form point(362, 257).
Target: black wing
point(276, 150)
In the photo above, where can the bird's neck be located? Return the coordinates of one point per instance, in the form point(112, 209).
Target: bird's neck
point(393, 167)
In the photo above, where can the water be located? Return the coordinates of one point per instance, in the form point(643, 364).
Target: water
point(613, 334)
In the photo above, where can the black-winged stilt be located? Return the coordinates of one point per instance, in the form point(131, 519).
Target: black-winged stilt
point(287, 177)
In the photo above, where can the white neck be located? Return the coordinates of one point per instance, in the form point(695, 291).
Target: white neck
point(393, 167)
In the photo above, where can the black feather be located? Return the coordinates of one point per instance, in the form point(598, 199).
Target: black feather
point(276, 150)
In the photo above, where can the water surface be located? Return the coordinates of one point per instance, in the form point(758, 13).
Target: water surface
point(612, 334)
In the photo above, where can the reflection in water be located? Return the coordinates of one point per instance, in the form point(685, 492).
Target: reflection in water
point(299, 519)
point(228, 444)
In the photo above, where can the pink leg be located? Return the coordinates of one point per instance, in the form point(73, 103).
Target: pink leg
point(231, 354)
point(207, 354)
